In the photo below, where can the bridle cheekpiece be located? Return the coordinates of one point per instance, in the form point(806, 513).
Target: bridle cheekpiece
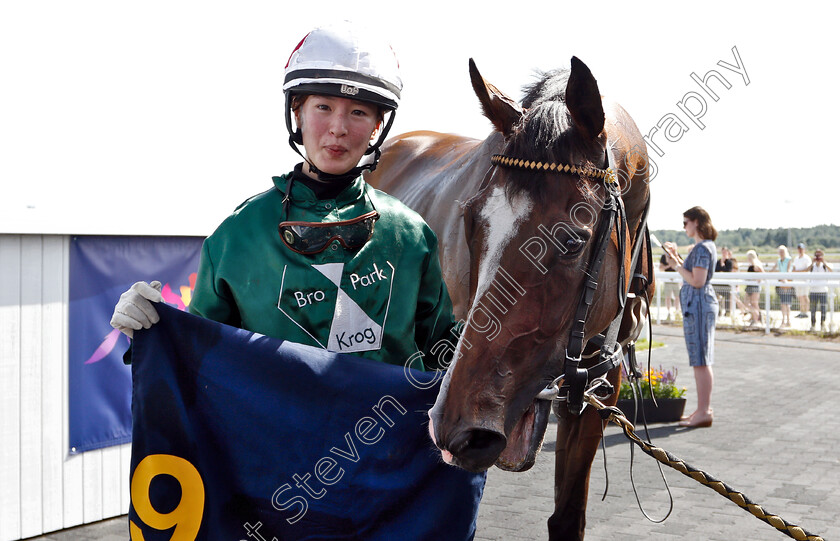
point(570, 386)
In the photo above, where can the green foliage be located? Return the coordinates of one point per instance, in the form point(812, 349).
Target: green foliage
point(767, 240)
point(642, 345)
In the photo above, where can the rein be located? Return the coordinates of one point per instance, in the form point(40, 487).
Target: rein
point(574, 381)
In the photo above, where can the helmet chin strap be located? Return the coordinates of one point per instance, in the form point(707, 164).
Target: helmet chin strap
point(329, 177)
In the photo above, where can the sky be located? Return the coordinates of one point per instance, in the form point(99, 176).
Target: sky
point(161, 117)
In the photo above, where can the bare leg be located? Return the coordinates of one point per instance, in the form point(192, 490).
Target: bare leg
point(704, 380)
point(754, 308)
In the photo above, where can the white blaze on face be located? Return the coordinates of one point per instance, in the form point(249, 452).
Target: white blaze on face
point(503, 218)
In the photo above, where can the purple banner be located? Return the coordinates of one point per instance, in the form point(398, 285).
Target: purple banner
point(101, 269)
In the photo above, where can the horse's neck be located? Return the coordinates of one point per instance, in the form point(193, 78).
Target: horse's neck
point(436, 175)
point(452, 179)
point(476, 166)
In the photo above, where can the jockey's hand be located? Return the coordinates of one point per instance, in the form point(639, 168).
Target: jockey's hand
point(134, 310)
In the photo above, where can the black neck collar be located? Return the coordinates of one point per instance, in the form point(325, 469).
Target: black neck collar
point(326, 186)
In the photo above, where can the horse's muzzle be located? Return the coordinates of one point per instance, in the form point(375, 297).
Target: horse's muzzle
point(475, 449)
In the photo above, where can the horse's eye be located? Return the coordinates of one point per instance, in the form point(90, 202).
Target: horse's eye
point(574, 245)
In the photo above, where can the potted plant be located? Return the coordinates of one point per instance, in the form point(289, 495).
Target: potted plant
point(670, 399)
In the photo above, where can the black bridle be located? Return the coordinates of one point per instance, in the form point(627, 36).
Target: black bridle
point(574, 380)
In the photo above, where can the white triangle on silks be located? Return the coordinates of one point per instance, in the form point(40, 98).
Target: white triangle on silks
point(352, 329)
point(332, 271)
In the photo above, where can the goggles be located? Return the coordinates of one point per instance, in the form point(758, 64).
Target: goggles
point(313, 237)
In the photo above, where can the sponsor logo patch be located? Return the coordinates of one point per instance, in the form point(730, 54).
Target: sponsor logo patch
point(349, 90)
point(351, 329)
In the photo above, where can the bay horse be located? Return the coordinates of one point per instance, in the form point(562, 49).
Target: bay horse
point(517, 217)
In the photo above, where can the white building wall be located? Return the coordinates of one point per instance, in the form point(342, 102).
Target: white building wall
point(42, 487)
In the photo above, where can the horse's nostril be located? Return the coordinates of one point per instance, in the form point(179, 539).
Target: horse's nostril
point(484, 439)
point(477, 449)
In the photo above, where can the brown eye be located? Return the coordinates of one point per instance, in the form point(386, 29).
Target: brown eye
point(574, 245)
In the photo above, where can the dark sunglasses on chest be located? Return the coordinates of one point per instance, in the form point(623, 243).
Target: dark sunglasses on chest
point(310, 238)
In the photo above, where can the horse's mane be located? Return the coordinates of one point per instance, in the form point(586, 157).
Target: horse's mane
point(547, 134)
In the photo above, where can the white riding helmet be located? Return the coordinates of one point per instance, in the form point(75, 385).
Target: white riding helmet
point(346, 61)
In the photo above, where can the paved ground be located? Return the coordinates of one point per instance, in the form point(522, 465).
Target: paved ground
point(776, 438)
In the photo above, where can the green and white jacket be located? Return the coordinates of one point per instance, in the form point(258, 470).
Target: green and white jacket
point(386, 301)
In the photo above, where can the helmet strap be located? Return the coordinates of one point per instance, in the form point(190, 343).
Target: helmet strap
point(382, 135)
point(294, 136)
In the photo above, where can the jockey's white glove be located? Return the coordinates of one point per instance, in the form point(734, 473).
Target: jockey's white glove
point(134, 310)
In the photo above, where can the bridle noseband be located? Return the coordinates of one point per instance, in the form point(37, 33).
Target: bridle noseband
point(574, 380)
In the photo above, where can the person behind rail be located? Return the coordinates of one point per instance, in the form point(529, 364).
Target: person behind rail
point(785, 293)
point(801, 263)
point(700, 308)
point(671, 290)
point(754, 289)
point(819, 293)
point(726, 263)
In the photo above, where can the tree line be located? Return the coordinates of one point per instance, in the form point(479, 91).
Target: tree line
point(764, 240)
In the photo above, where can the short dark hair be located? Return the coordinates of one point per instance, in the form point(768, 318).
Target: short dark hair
point(704, 222)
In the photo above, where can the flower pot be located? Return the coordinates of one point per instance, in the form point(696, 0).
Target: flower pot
point(666, 410)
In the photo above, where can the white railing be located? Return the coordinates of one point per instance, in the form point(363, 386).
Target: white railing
point(767, 281)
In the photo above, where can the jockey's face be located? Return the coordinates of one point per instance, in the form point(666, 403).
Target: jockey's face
point(336, 132)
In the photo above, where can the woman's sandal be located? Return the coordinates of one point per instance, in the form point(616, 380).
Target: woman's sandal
point(697, 420)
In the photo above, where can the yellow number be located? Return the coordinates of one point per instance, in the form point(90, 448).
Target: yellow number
point(136, 533)
point(186, 517)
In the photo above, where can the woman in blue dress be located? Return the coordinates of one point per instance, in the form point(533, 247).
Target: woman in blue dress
point(700, 307)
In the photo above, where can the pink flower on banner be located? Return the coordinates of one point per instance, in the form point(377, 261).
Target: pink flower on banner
point(181, 301)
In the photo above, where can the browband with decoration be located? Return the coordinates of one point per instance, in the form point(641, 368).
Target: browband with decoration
point(607, 174)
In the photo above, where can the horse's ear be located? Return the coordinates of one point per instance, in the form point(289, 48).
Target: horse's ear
point(584, 100)
point(502, 111)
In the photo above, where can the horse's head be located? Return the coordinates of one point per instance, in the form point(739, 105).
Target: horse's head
point(530, 234)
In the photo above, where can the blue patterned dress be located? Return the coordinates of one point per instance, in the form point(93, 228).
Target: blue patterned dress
point(700, 307)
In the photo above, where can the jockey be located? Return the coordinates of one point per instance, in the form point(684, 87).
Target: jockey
point(321, 258)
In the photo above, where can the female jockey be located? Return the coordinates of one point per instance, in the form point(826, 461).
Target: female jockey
point(321, 258)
